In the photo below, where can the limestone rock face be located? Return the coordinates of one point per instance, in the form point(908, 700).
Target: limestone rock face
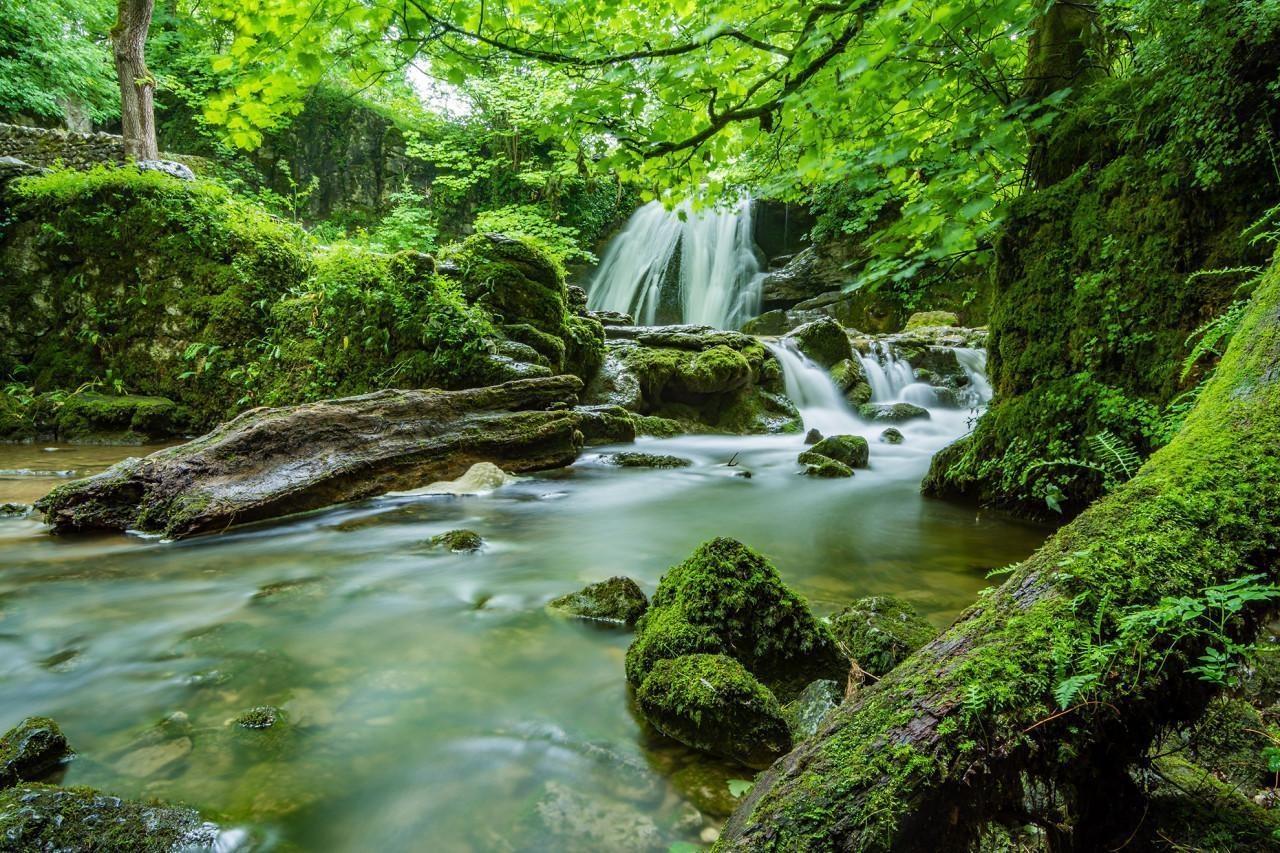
point(272, 462)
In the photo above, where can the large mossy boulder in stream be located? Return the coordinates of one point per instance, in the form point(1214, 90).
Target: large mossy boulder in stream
point(272, 462)
point(824, 341)
point(727, 599)
point(711, 703)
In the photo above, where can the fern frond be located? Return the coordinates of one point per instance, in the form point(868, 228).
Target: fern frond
point(1120, 459)
point(1212, 337)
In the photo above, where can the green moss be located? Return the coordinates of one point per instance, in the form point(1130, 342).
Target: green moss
point(712, 703)
point(892, 413)
point(632, 459)
point(879, 632)
point(119, 419)
point(1191, 809)
point(262, 717)
point(851, 450)
point(30, 750)
point(458, 541)
point(40, 817)
point(513, 279)
point(727, 599)
point(930, 319)
point(817, 465)
point(584, 347)
point(824, 341)
point(617, 600)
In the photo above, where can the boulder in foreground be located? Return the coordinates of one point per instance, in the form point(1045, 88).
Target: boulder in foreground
point(267, 463)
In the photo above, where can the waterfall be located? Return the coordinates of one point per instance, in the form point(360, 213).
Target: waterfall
point(887, 374)
point(695, 266)
point(974, 364)
point(821, 405)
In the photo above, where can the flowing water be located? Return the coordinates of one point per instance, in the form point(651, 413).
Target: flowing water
point(682, 266)
point(434, 704)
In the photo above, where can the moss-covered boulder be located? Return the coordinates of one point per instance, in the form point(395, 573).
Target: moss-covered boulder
point(804, 714)
point(823, 467)
point(879, 632)
point(515, 281)
point(82, 820)
point(618, 600)
point(458, 541)
point(712, 703)
point(892, 413)
point(931, 319)
point(30, 750)
point(634, 459)
point(892, 435)
point(127, 419)
point(823, 340)
point(851, 378)
point(851, 450)
point(727, 599)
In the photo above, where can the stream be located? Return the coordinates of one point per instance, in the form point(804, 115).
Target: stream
point(433, 702)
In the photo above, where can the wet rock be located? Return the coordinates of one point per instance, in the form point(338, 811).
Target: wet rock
point(851, 450)
point(605, 425)
point(727, 599)
point(15, 510)
point(261, 717)
point(633, 459)
point(612, 318)
point(576, 299)
point(711, 703)
point(931, 319)
point(812, 437)
point(573, 822)
point(691, 337)
point(458, 541)
point(892, 435)
point(893, 413)
point(520, 352)
point(92, 418)
point(824, 341)
point(480, 479)
point(272, 462)
point(817, 465)
point(45, 818)
point(618, 600)
point(879, 632)
point(851, 378)
point(30, 750)
point(805, 713)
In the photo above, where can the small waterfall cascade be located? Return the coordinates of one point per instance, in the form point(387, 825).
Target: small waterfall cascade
point(887, 373)
point(693, 266)
point(821, 405)
point(974, 364)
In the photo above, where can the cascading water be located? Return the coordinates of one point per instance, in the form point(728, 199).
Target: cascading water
point(695, 266)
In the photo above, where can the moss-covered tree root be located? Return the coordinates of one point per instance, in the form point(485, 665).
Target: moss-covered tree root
point(968, 731)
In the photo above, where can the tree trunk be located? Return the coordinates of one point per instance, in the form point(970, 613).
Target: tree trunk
point(967, 732)
point(1061, 54)
point(137, 89)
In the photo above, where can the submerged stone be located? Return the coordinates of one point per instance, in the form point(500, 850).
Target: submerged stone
point(893, 413)
point(633, 459)
point(727, 599)
point(879, 632)
point(458, 541)
point(805, 712)
point(45, 818)
point(711, 703)
point(619, 600)
point(892, 435)
point(573, 822)
point(262, 717)
point(29, 750)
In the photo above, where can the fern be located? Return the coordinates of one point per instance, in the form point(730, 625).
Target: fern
point(1212, 337)
point(1069, 688)
point(1117, 457)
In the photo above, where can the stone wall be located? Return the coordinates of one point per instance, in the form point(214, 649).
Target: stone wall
point(46, 147)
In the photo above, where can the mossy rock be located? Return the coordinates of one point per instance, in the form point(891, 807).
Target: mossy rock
point(851, 450)
point(892, 413)
point(618, 600)
point(930, 319)
point(824, 467)
point(727, 599)
point(879, 632)
point(11, 510)
point(41, 817)
point(513, 279)
point(31, 749)
point(851, 378)
point(633, 459)
point(1191, 809)
point(1230, 739)
point(261, 717)
point(892, 435)
point(659, 427)
point(583, 347)
point(712, 703)
point(93, 417)
point(458, 541)
point(824, 341)
point(805, 713)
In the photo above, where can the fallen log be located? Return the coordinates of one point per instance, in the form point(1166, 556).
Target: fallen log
point(268, 463)
point(968, 731)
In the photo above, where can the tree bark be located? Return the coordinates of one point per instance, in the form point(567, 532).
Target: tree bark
point(968, 732)
point(137, 88)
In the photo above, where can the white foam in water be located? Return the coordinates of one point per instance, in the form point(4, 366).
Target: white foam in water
point(719, 268)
